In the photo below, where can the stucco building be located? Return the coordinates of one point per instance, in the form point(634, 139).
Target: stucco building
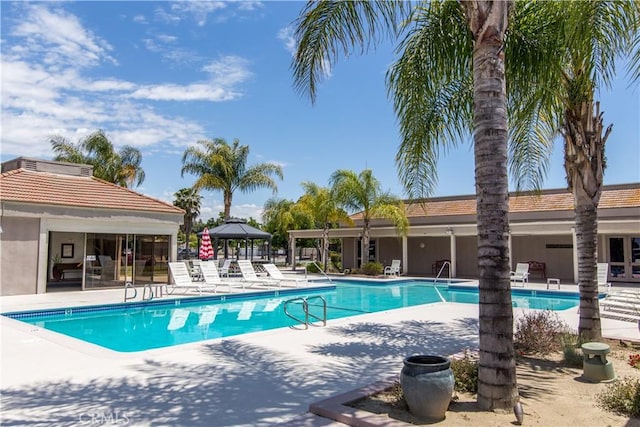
point(62, 228)
point(541, 232)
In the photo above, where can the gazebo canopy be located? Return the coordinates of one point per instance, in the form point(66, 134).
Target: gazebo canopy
point(235, 228)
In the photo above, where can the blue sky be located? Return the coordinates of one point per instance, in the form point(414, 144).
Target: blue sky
point(162, 75)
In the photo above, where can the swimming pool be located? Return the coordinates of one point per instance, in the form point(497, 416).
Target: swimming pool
point(161, 323)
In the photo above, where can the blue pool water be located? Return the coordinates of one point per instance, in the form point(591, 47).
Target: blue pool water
point(143, 326)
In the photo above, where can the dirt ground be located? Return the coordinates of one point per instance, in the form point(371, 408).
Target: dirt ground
point(551, 395)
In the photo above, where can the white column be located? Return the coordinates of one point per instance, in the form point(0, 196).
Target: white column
point(292, 247)
point(405, 257)
point(575, 254)
point(452, 241)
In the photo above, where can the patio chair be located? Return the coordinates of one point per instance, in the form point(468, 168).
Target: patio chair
point(249, 275)
point(196, 273)
point(182, 279)
point(604, 286)
point(211, 276)
point(393, 269)
point(276, 274)
point(521, 274)
point(224, 269)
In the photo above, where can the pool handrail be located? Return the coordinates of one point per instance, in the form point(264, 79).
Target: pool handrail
point(319, 269)
point(444, 264)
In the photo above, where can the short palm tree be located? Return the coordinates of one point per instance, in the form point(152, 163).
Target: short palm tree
point(119, 167)
point(188, 200)
point(281, 215)
point(220, 166)
point(324, 209)
point(363, 193)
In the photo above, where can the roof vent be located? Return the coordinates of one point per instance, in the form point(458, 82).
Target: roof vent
point(37, 165)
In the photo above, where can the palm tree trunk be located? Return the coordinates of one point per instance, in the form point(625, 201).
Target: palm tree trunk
point(586, 221)
point(227, 205)
point(584, 164)
point(497, 386)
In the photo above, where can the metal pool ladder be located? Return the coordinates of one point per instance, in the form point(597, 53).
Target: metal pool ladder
point(305, 309)
point(127, 286)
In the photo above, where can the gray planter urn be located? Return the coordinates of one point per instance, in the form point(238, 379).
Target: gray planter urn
point(427, 384)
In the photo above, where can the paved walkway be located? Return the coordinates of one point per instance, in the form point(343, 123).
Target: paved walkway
point(260, 379)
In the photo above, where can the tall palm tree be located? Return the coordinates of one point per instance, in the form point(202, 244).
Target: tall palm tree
point(598, 32)
point(188, 200)
point(324, 209)
point(119, 167)
point(450, 81)
point(591, 36)
point(363, 192)
point(220, 166)
point(281, 215)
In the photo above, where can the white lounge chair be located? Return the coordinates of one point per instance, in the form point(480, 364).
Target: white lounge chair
point(211, 276)
point(604, 285)
point(393, 269)
point(224, 269)
point(196, 273)
point(182, 279)
point(249, 275)
point(521, 274)
point(276, 274)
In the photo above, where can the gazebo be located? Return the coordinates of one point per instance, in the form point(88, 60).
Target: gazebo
point(237, 229)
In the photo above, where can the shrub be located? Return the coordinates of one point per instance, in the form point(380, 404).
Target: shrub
point(571, 350)
point(371, 268)
point(539, 332)
point(465, 373)
point(622, 397)
point(313, 268)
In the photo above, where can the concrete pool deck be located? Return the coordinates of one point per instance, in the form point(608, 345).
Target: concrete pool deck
point(259, 379)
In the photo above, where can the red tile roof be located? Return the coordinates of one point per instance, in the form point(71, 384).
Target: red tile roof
point(613, 197)
point(21, 185)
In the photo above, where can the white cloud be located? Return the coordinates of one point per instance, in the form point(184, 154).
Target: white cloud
point(228, 71)
point(225, 75)
point(192, 92)
point(56, 94)
point(166, 38)
point(250, 5)
point(199, 9)
point(163, 16)
point(60, 37)
point(141, 19)
point(165, 45)
point(286, 35)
